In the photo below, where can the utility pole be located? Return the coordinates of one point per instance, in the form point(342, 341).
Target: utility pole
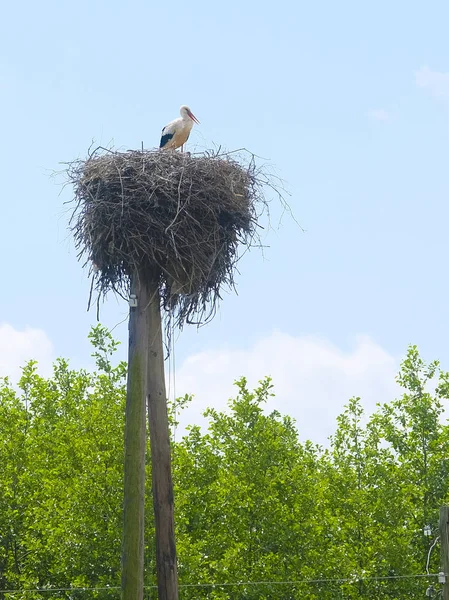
point(146, 383)
point(167, 574)
point(135, 444)
point(444, 543)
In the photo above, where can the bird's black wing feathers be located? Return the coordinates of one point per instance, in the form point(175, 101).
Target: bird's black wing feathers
point(165, 138)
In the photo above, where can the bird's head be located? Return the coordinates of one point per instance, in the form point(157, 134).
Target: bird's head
point(187, 113)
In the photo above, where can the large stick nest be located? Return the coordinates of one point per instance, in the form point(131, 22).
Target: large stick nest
point(176, 217)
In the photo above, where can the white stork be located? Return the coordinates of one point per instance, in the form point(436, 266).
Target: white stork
point(176, 133)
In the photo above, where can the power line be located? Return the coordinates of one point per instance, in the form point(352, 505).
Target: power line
point(69, 589)
point(233, 584)
point(305, 581)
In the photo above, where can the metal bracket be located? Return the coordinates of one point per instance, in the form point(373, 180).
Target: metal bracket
point(441, 577)
point(132, 300)
point(427, 530)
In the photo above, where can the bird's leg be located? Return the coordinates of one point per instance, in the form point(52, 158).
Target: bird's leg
point(182, 148)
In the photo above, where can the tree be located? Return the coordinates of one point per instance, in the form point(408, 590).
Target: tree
point(253, 503)
point(246, 498)
point(368, 514)
point(412, 426)
point(65, 473)
point(13, 461)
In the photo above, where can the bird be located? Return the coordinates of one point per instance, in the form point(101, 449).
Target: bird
point(176, 133)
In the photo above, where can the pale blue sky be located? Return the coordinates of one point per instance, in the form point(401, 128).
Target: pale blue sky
point(292, 81)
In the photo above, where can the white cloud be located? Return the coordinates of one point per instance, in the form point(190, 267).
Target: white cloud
point(313, 378)
point(436, 82)
point(379, 114)
point(17, 347)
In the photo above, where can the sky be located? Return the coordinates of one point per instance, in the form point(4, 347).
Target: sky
point(348, 101)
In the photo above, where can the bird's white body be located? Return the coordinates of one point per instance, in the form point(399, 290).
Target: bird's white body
point(176, 133)
point(180, 128)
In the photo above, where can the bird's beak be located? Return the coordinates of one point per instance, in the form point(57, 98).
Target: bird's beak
point(192, 116)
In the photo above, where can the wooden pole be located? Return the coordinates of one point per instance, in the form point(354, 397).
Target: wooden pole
point(167, 573)
point(444, 544)
point(135, 440)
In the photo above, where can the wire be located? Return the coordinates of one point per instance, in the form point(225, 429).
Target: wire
point(430, 552)
point(174, 381)
point(69, 589)
point(303, 581)
point(119, 323)
point(234, 584)
point(168, 346)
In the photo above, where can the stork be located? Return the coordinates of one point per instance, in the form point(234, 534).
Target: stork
point(176, 133)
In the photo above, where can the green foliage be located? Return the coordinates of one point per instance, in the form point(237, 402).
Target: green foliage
point(245, 495)
point(253, 502)
point(60, 495)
